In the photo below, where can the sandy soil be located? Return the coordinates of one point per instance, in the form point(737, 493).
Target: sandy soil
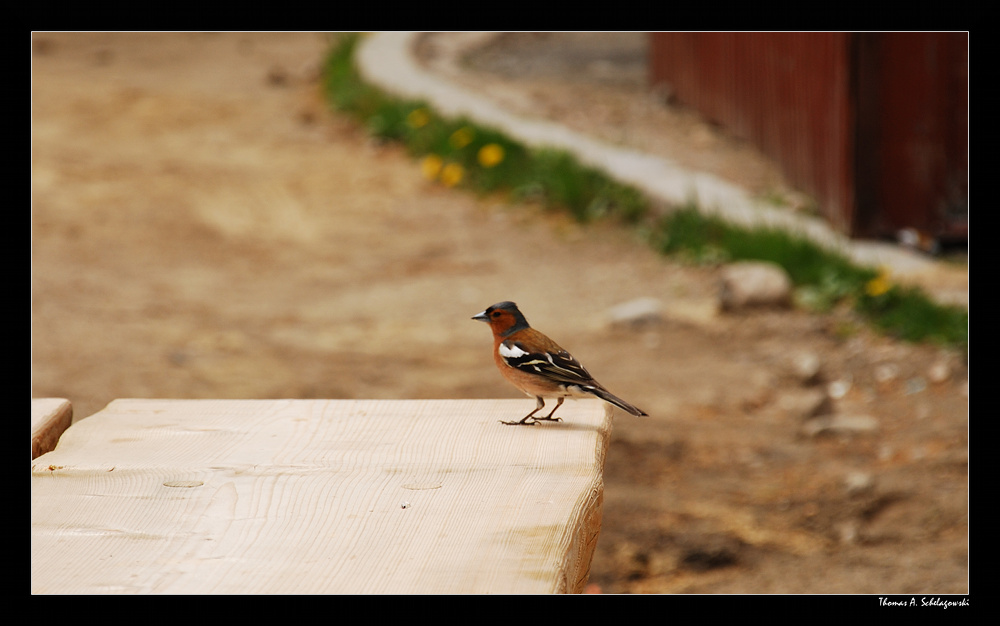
point(202, 227)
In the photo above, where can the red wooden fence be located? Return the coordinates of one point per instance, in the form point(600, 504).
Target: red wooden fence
point(873, 125)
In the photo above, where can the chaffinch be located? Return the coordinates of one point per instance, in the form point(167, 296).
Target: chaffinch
point(538, 366)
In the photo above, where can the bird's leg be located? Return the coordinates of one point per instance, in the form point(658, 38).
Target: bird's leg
point(524, 420)
point(551, 413)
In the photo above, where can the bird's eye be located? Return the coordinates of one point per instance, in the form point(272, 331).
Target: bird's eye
point(496, 313)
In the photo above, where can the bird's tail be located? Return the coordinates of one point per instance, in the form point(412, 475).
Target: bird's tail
point(607, 396)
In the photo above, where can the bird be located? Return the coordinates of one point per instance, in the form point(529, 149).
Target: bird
point(538, 366)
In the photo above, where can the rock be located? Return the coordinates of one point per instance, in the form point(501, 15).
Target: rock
point(939, 372)
point(847, 532)
point(754, 284)
point(806, 367)
point(805, 403)
point(839, 424)
point(638, 313)
point(859, 482)
point(839, 388)
point(885, 372)
point(915, 385)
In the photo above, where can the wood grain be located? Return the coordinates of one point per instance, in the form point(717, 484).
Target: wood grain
point(50, 417)
point(313, 496)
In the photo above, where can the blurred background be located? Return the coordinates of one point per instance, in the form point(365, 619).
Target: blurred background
point(204, 226)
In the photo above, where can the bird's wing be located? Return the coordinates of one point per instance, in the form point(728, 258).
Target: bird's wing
point(558, 366)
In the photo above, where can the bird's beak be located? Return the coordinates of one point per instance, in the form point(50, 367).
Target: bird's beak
point(481, 317)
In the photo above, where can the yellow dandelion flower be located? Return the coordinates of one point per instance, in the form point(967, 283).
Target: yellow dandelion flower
point(490, 155)
point(431, 166)
point(461, 137)
point(878, 285)
point(452, 174)
point(418, 118)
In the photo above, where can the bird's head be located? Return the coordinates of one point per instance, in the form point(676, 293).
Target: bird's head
point(503, 317)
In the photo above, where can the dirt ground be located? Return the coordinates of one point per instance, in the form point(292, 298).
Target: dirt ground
point(203, 227)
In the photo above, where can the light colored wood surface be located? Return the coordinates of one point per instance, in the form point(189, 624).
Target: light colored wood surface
point(314, 496)
point(50, 417)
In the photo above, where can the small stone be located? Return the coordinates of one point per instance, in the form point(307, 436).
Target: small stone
point(754, 284)
point(939, 372)
point(886, 372)
point(847, 532)
point(838, 388)
point(639, 313)
point(915, 385)
point(805, 403)
point(859, 482)
point(806, 367)
point(839, 424)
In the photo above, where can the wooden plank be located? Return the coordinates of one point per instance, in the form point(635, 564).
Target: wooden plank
point(50, 417)
point(315, 496)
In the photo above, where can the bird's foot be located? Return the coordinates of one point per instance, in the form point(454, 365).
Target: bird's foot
point(523, 422)
point(547, 418)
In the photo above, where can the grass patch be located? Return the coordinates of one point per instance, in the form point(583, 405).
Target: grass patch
point(461, 153)
point(688, 232)
point(907, 313)
point(823, 278)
